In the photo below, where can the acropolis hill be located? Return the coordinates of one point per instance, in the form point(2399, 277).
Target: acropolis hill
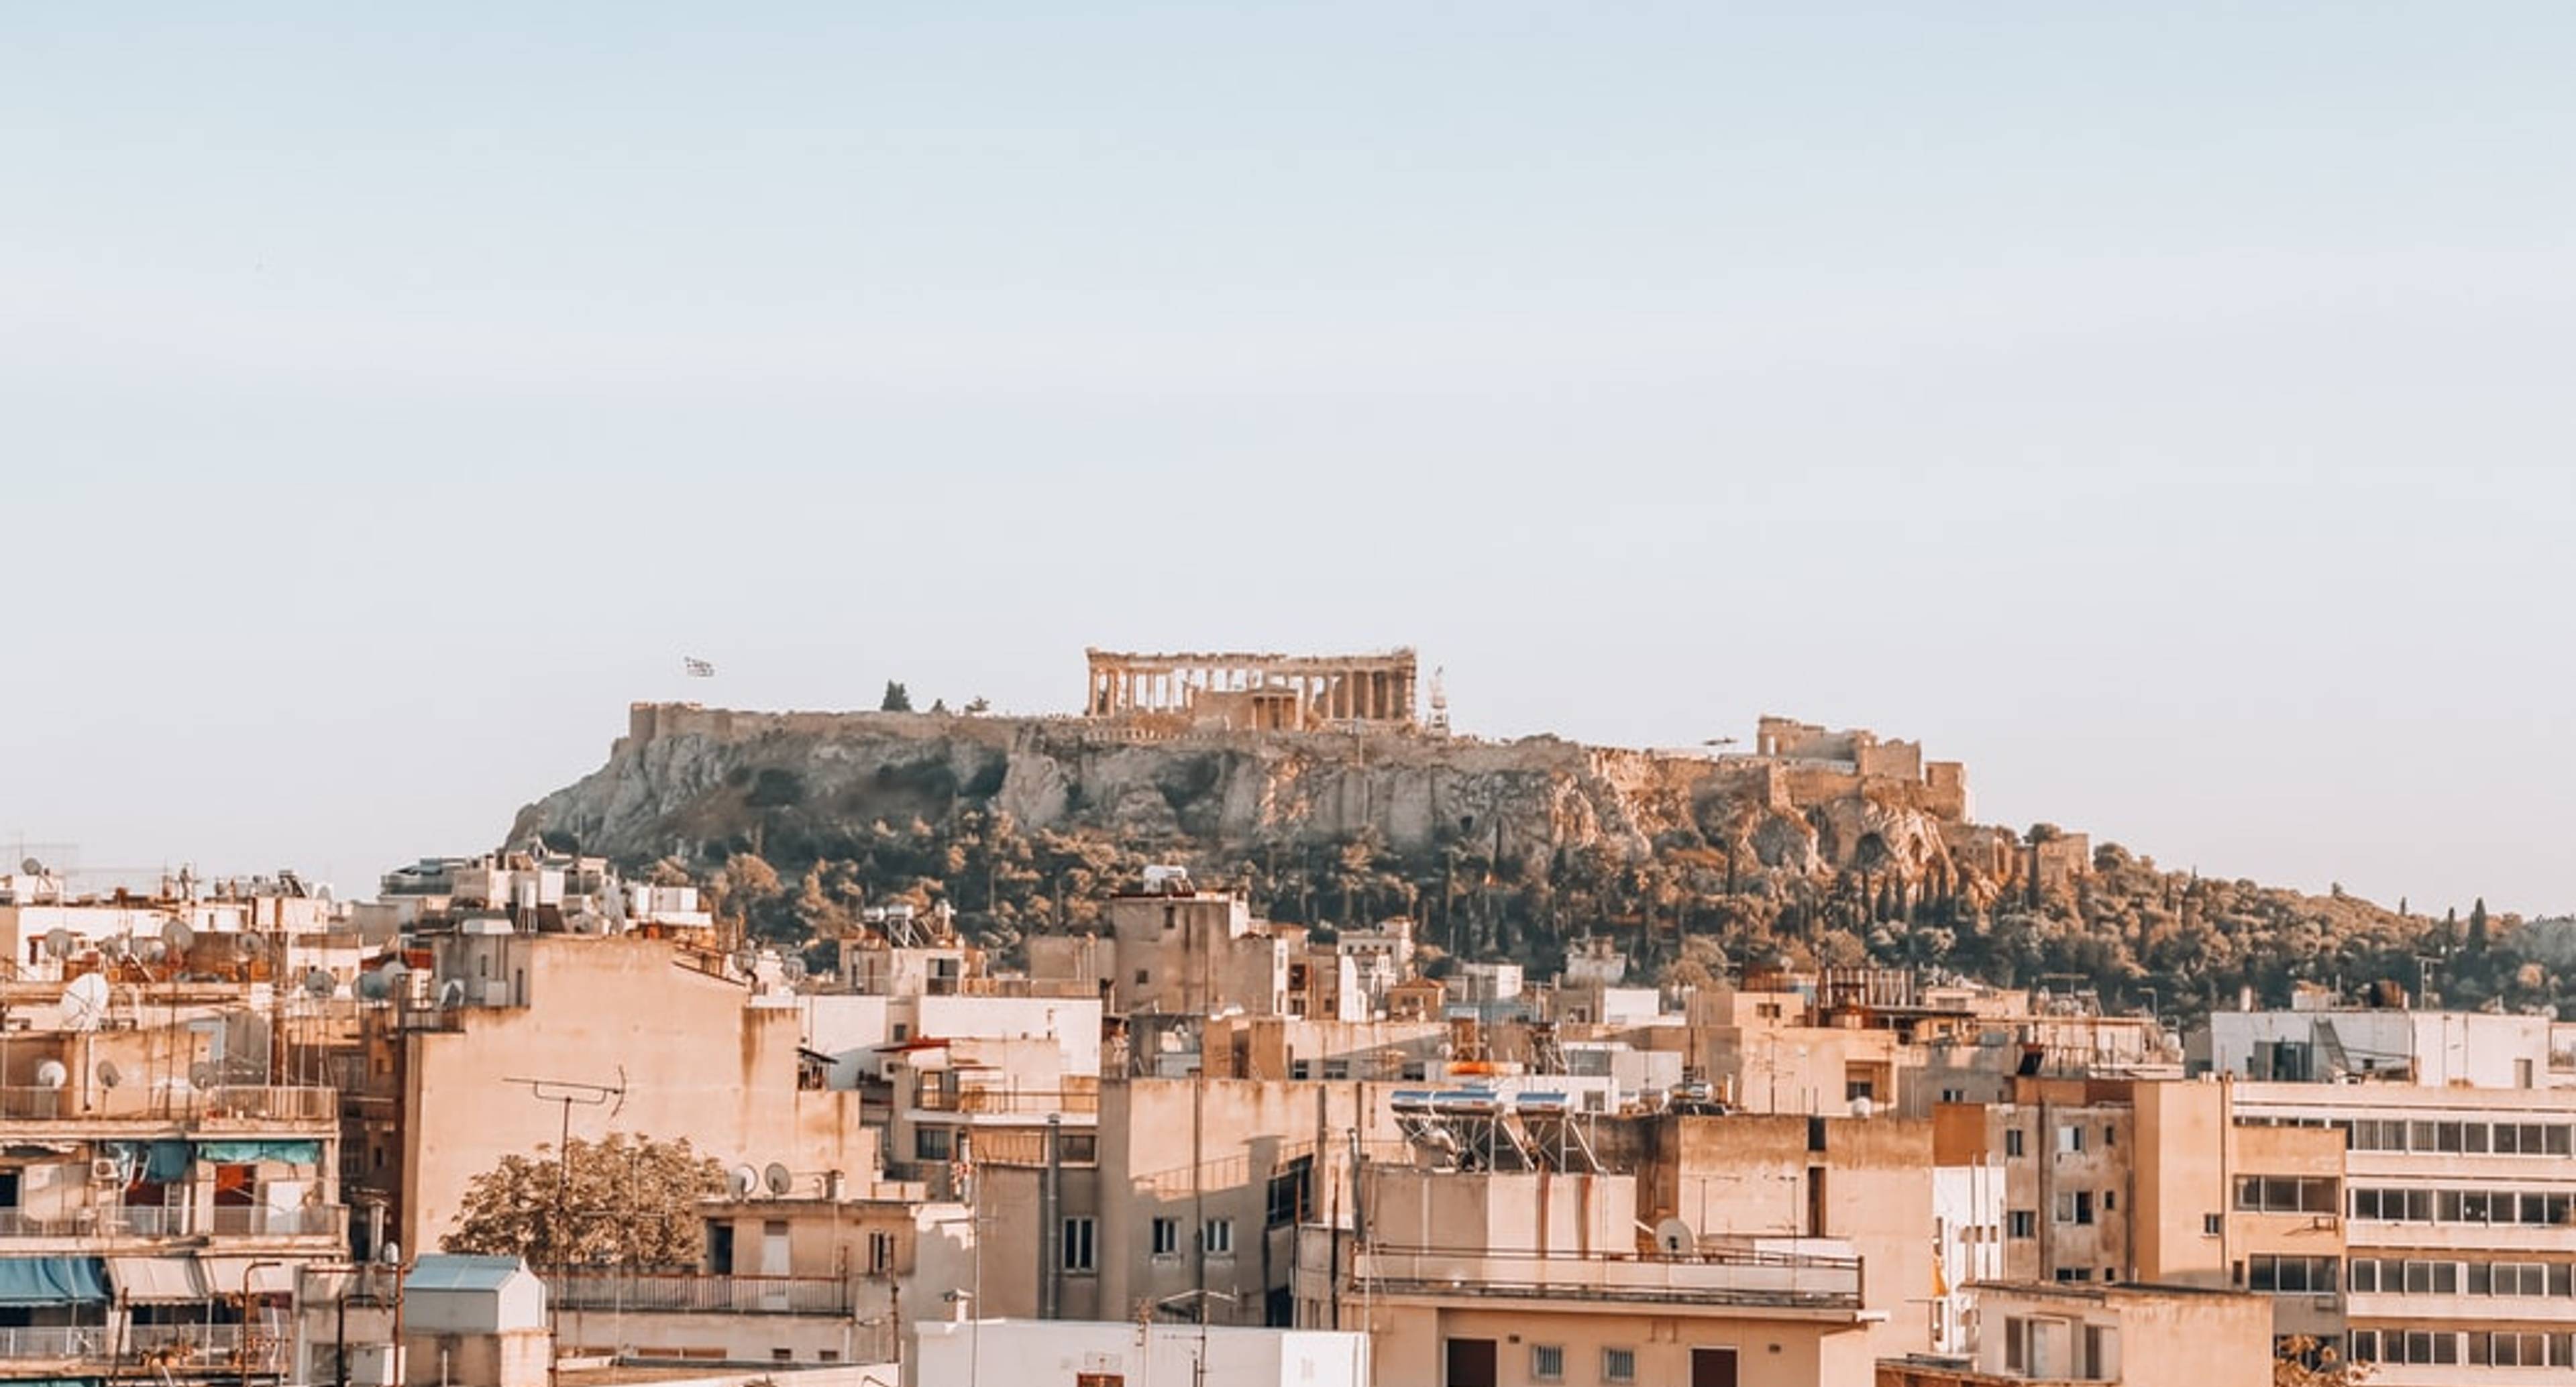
point(1314, 784)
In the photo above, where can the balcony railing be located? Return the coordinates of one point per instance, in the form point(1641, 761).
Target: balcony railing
point(50, 1343)
point(1005, 1100)
point(700, 1293)
point(1728, 1277)
point(260, 1222)
point(143, 1102)
point(260, 1349)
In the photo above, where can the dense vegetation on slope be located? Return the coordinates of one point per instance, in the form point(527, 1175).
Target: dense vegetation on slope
point(1689, 909)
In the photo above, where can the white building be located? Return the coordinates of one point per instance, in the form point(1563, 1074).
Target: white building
point(1097, 1353)
point(2320, 1043)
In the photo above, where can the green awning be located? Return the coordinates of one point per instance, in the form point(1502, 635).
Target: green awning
point(51, 1280)
point(245, 1152)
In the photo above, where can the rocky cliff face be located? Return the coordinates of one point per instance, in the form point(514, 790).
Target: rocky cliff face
point(686, 778)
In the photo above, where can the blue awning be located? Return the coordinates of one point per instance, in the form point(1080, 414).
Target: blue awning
point(244, 1152)
point(158, 1161)
point(52, 1280)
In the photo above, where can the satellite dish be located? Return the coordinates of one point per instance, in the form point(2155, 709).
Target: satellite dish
point(374, 987)
point(58, 943)
point(320, 984)
point(109, 1076)
point(52, 1074)
point(151, 950)
point(744, 961)
point(203, 1074)
point(247, 947)
point(323, 893)
point(32, 867)
point(178, 936)
point(85, 1003)
point(1862, 1107)
point(390, 1254)
point(743, 1181)
point(793, 969)
point(1674, 1238)
point(118, 946)
point(453, 994)
point(779, 1180)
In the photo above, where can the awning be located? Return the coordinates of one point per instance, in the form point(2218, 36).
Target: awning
point(224, 1275)
point(244, 1152)
point(156, 1280)
point(51, 1280)
point(158, 1161)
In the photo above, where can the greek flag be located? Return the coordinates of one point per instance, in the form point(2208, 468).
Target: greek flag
point(696, 668)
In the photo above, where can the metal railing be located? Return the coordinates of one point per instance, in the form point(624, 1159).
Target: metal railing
point(261, 1222)
point(1743, 1276)
point(700, 1293)
point(147, 1102)
point(255, 1348)
point(1035, 1102)
point(146, 1220)
point(53, 1342)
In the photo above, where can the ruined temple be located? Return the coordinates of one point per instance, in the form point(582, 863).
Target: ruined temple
point(1239, 692)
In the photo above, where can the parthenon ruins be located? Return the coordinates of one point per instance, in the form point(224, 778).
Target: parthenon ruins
point(1250, 692)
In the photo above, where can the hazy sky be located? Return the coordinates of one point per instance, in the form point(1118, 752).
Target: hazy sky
point(2168, 414)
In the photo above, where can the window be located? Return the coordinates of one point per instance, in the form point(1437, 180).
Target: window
point(1078, 1251)
point(1142, 977)
point(2283, 1194)
point(2075, 1206)
point(1954, 1095)
point(1288, 1192)
point(2107, 1130)
point(2024, 1223)
point(930, 1143)
point(1301, 1069)
point(2110, 1200)
point(2213, 1225)
point(1216, 1237)
point(1080, 1148)
point(1618, 1365)
point(880, 1252)
point(1337, 1069)
point(2070, 1140)
point(2012, 1142)
point(1547, 1362)
point(2291, 1275)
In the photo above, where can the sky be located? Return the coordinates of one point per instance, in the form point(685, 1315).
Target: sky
point(2162, 409)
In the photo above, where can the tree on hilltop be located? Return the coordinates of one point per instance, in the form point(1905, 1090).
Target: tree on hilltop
point(897, 699)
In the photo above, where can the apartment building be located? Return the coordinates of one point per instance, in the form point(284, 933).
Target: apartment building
point(147, 1219)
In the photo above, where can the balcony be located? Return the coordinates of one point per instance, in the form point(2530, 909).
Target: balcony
point(55, 1343)
point(244, 1348)
point(148, 1103)
point(1738, 1277)
point(693, 1293)
point(255, 1221)
point(999, 1101)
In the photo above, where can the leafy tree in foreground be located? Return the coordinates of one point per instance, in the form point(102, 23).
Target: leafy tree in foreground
point(625, 1200)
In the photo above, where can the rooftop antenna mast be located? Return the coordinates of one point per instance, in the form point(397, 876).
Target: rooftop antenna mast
point(1439, 701)
point(570, 1094)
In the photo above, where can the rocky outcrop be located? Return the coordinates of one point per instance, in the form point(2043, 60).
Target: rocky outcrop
point(688, 778)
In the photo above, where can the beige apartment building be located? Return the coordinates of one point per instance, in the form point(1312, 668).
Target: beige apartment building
point(2132, 1335)
point(498, 1041)
point(1506, 1278)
